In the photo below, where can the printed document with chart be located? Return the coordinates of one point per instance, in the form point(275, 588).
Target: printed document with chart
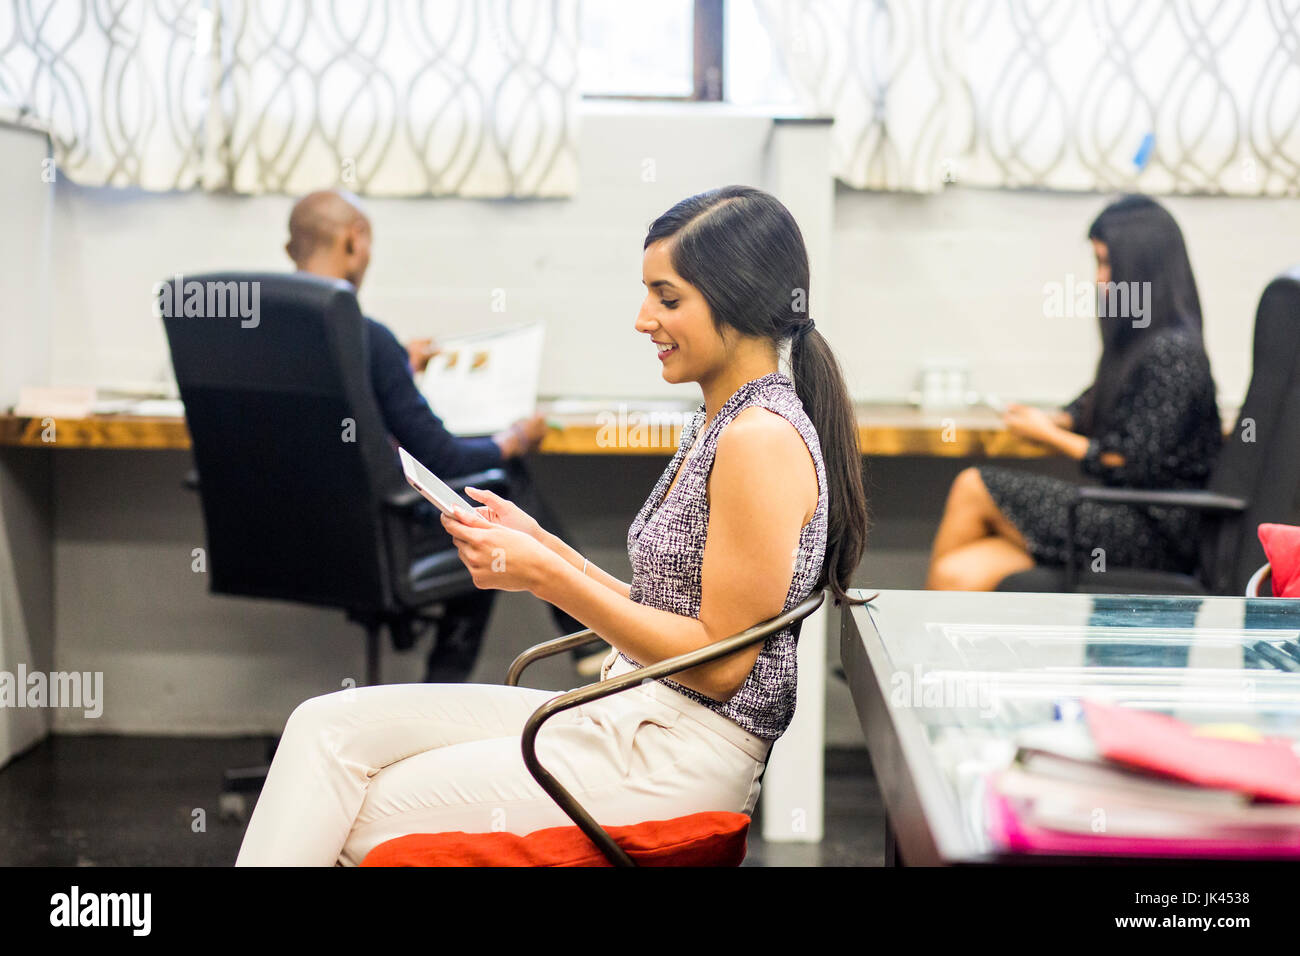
point(479, 384)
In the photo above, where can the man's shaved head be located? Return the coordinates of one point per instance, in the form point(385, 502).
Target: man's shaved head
point(317, 220)
point(329, 235)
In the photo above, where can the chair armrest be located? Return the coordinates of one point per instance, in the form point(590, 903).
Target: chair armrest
point(412, 532)
point(490, 478)
point(549, 649)
point(404, 499)
point(1198, 500)
point(614, 685)
point(1205, 501)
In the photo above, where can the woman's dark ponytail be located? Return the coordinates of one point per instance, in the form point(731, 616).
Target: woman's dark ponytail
point(743, 250)
point(819, 382)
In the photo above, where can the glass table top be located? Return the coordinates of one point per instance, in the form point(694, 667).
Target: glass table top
point(970, 670)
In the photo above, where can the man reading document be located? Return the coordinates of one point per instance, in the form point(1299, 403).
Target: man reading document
point(330, 236)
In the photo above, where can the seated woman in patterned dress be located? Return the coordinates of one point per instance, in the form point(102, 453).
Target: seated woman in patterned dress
point(1149, 420)
point(761, 506)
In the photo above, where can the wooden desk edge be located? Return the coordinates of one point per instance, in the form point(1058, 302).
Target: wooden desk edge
point(133, 433)
point(120, 432)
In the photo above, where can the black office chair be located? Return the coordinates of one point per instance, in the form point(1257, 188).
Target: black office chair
point(1256, 478)
point(303, 498)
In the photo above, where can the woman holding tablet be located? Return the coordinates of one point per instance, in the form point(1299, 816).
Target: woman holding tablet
point(1149, 420)
point(761, 505)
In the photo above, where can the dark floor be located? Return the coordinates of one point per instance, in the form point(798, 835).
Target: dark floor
point(854, 821)
point(152, 801)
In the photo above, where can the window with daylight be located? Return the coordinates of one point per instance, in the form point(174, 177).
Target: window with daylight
point(668, 50)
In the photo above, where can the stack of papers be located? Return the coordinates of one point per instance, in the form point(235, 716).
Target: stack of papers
point(141, 407)
point(82, 401)
point(55, 401)
point(1134, 783)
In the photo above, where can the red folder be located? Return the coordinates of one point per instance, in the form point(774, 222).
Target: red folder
point(1268, 769)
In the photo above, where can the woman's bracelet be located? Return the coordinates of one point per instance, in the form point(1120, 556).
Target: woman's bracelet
point(584, 567)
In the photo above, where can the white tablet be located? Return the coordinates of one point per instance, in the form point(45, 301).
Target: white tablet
point(431, 486)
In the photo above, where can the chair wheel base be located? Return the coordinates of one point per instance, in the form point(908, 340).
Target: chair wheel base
point(232, 808)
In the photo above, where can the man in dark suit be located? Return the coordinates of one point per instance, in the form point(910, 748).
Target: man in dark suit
point(329, 235)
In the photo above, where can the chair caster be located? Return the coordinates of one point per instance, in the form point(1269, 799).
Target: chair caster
point(232, 808)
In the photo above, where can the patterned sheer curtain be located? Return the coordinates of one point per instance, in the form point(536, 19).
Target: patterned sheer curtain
point(389, 97)
point(1161, 96)
point(122, 87)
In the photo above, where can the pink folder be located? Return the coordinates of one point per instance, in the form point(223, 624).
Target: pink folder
point(1267, 769)
point(1008, 833)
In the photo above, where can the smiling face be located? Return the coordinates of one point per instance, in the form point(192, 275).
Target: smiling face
point(676, 317)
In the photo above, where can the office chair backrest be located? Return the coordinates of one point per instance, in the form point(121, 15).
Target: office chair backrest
point(1260, 460)
point(292, 455)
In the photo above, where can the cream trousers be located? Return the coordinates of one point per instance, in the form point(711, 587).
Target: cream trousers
point(361, 766)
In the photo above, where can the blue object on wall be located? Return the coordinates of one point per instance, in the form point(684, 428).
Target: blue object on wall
point(1145, 148)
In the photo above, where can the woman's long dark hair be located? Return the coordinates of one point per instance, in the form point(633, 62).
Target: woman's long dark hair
point(1145, 246)
point(743, 250)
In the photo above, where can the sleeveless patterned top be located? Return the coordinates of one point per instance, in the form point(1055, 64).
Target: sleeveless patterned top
point(666, 546)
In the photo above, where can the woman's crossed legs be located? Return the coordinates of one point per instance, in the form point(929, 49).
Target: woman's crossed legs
point(975, 546)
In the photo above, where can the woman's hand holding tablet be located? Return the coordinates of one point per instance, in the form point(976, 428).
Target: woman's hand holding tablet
point(505, 513)
point(498, 542)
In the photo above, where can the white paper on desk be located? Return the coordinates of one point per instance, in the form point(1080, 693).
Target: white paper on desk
point(156, 408)
point(55, 401)
point(479, 384)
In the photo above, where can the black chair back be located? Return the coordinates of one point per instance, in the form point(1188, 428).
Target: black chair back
point(293, 459)
point(1260, 460)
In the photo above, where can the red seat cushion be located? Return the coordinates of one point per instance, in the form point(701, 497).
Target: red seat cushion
point(699, 839)
point(1282, 548)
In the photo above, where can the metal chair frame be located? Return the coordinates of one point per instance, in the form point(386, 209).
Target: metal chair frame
point(585, 695)
point(1260, 581)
